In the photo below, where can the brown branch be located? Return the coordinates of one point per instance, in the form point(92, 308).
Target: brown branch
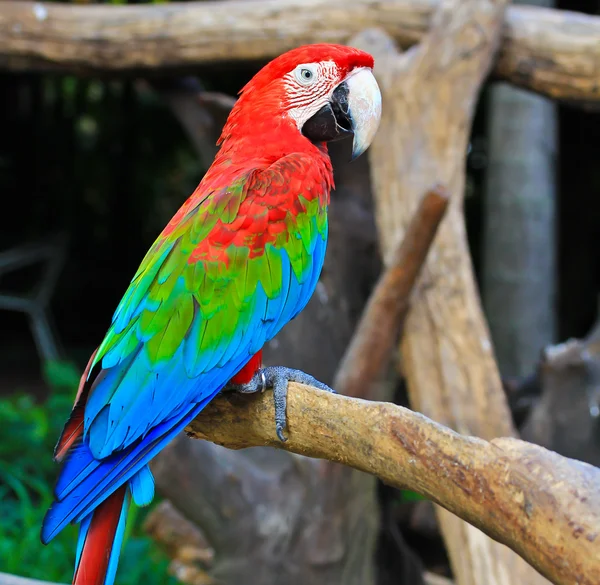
point(181, 538)
point(543, 506)
point(382, 319)
point(549, 51)
point(538, 53)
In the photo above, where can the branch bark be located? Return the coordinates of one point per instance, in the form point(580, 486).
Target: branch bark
point(548, 51)
point(543, 506)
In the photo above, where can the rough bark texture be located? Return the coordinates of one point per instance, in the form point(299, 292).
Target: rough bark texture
point(544, 506)
point(519, 269)
point(429, 97)
point(551, 52)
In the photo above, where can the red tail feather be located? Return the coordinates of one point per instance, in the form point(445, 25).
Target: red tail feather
point(93, 563)
point(74, 426)
point(71, 432)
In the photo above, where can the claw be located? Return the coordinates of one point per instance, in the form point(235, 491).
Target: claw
point(277, 378)
point(279, 430)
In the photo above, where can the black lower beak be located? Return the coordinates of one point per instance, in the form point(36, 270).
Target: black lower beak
point(332, 121)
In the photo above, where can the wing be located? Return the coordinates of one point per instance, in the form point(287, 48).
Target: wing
point(231, 269)
point(213, 288)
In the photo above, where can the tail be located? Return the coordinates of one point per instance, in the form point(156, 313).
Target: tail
point(100, 539)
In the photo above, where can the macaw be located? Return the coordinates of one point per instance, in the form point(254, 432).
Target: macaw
point(240, 258)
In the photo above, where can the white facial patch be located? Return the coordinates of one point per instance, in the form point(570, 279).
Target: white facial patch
point(307, 94)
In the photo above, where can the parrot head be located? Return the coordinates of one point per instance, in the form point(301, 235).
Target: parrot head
point(317, 93)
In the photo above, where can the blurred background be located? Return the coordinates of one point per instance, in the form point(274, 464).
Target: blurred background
point(91, 169)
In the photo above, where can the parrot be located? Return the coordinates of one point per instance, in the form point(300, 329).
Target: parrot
point(238, 260)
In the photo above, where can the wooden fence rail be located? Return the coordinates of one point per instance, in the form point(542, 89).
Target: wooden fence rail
point(556, 53)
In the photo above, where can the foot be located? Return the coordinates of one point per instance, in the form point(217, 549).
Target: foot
point(277, 378)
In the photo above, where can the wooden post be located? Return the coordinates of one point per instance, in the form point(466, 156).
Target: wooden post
point(519, 266)
point(429, 97)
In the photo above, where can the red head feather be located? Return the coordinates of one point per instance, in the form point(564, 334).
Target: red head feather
point(257, 118)
point(346, 58)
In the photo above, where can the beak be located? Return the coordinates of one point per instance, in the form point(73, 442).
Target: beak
point(364, 109)
point(353, 109)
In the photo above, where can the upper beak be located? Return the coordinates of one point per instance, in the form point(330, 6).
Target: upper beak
point(364, 109)
point(354, 108)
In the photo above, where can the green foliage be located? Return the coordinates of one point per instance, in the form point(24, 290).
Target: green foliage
point(409, 496)
point(28, 432)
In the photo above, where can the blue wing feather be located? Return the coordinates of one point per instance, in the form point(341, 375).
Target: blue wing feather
point(86, 481)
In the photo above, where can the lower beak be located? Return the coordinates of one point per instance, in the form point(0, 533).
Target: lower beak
point(354, 109)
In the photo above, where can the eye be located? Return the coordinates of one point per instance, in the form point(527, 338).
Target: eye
point(306, 74)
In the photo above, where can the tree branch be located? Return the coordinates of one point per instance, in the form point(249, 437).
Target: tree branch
point(549, 51)
point(543, 506)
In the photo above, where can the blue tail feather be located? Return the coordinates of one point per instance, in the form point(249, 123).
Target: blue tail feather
point(109, 474)
point(83, 530)
point(142, 487)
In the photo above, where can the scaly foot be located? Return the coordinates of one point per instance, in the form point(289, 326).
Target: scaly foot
point(277, 377)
